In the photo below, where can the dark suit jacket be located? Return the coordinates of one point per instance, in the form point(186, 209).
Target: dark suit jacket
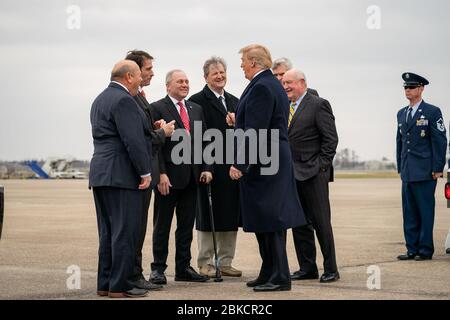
point(179, 174)
point(122, 148)
point(225, 192)
point(213, 110)
point(269, 203)
point(158, 138)
point(312, 137)
point(313, 92)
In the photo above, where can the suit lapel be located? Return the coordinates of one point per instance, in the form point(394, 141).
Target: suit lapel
point(242, 99)
point(190, 114)
point(214, 101)
point(143, 103)
point(118, 86)
point(251, 84)
point(255, 79)
point(299, 110)
point(231, 107)
point(403, 119)
point(247, 88)
point(173, 110)
point(416, 116)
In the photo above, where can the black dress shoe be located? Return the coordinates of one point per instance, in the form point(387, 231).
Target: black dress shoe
point(256, 282)
point(158, 277)
point(191, 275)
point(406, 256)
point(136, 293)
point(329, 277)
point(447, 251)
point(302, 275)
point(133, 293)
point(421, 257)
point(147, 285)
point(266, 287)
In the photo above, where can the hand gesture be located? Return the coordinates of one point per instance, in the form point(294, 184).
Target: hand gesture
point(164, 184)
point(235, 174)
point(206, 177)
point(231, 120)
point(145, 182)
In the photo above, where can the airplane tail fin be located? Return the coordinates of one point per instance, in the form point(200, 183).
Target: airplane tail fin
point(33, 164)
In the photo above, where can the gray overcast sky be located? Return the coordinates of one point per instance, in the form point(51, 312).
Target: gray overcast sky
point(51, 74)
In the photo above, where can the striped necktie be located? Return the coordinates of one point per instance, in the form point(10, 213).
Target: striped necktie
point(291, 112)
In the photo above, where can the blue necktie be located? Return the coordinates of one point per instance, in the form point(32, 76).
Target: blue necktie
point(409, 116)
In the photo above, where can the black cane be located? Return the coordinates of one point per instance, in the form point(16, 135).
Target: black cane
point(213, 229)
point(2, 207)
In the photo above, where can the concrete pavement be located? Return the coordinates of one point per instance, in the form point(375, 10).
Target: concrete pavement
point(51, 225)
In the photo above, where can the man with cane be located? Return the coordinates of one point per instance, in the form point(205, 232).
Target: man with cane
point(216, 103)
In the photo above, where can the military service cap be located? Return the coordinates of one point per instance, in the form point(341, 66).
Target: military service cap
point(414, 80)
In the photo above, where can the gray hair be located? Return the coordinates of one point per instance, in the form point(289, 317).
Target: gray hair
point(170, 74)
point(298, 74)
point(282, 62)
point(213, 61)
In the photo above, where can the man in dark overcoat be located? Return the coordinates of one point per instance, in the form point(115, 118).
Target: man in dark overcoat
point(269, 201)
point(216, 103)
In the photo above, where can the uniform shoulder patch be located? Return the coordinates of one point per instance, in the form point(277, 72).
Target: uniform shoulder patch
point(440, 125)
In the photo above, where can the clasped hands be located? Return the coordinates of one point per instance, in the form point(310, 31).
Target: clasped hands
point(168, 127)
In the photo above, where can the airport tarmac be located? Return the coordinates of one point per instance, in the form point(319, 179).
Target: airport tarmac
point(49, 229)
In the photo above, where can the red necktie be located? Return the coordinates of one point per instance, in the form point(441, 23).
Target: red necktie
point(184, 117)
point(142, 93)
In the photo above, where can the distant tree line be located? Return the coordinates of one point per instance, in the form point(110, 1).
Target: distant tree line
point(347, 159)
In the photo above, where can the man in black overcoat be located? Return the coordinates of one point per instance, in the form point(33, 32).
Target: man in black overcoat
point(216, 103)
point(269, 201)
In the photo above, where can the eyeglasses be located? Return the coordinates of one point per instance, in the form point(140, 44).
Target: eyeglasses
point(410, 87)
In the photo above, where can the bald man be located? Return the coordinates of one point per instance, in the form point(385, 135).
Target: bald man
point(313, 140)
point(120, 172)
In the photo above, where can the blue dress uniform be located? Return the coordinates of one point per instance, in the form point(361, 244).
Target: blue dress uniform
point(421, 149)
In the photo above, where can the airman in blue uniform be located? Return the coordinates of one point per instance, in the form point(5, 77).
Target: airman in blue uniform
point(421, 149)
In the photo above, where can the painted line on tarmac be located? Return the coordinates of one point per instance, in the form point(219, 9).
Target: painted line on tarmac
point(41, 270)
